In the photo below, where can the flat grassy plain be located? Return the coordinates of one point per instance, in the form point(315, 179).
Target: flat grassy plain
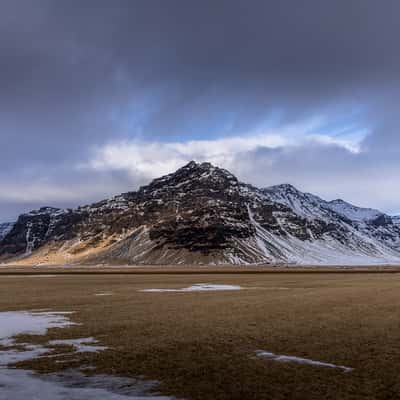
point(201, 345)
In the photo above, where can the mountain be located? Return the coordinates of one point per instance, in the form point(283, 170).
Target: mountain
point(311, 206)
point(202, 214)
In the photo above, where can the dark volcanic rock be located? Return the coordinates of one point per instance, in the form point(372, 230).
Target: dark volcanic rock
point(37, 227)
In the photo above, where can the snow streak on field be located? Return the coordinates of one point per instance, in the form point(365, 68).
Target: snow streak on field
point(299, 360)
point(18, 384)
point(198, 287)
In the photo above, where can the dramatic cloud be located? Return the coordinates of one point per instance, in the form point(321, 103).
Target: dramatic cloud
point(99, 96)
point(153, 159)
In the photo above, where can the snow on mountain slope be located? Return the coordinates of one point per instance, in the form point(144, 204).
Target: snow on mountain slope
point(5, 227)
point(304, 204)
point(396, 219)
point(352, 212)
point(312, 206)
point(202, 214)
point(358, 233)
point(342, 245)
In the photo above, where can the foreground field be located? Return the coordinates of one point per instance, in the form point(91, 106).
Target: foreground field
point(202, 345)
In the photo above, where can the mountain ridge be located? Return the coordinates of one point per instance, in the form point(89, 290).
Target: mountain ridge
point(202, 214)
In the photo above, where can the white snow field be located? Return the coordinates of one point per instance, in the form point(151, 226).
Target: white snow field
point(18, 384)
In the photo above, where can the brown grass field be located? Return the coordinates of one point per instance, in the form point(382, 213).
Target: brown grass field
point(202, 345)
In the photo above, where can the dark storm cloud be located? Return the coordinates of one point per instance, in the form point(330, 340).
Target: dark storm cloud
point(79, 74)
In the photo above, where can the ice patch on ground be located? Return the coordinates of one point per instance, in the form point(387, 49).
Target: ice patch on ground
point(21, 385)
point(198, 287)
point(18, 384)
point(82, 345)
point(299, 360)
point(33, 323)
point(14, 323)
point(23, 353)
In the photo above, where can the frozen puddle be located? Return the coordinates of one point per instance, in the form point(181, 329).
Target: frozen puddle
point(18, 384)
point(198, 287)
point(299, 360)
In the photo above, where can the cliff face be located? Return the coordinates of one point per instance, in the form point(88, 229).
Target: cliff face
point(5, 228)
point(203, 214)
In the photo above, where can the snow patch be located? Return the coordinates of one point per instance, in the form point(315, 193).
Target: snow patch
point(30, 242)
point(21, 385)
point(299, 360)
point(33, 323)
point(199, 287)
point(17, 384)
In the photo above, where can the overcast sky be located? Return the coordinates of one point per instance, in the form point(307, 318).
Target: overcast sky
point(99, 97)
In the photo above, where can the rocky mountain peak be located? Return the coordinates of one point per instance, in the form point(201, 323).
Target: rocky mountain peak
point(304, 204)
point(284, 192)
point(192, 177)
point(201, 213)
point(337, 201)
point(45, 211)
point(353, 212)
point(284, 187)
